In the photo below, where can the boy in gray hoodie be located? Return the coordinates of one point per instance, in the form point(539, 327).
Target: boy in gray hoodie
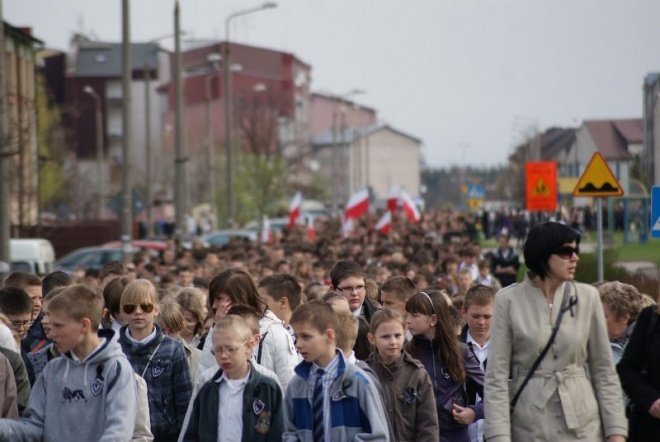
point(88, 393)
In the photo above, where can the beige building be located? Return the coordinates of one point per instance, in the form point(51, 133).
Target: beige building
point(377, 157)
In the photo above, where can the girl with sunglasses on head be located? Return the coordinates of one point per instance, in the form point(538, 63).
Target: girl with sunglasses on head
point(550, 374)
point(449, 362)
point(158, 359)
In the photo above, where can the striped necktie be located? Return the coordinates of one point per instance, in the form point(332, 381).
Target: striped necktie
point(317, 407)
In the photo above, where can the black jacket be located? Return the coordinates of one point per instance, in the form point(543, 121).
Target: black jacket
point(643, 352)
point(263, 418)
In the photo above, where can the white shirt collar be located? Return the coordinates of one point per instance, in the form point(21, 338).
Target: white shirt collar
point(146, 340)
point(473, 341)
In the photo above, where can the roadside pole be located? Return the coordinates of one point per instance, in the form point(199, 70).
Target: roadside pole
point(599, 238)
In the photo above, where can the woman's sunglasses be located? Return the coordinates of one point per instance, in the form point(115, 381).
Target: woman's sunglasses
point(566, 252)
point(130, 308)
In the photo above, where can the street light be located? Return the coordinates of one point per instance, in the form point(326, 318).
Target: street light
point(214, 61)
point(99, 148)
point(228, 105)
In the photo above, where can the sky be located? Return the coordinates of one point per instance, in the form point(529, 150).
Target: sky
point(470, 78)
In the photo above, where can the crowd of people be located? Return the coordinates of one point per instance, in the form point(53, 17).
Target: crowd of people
point(415, 336)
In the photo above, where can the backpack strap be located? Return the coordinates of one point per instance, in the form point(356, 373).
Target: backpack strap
point(261, 347)
point(115, 378)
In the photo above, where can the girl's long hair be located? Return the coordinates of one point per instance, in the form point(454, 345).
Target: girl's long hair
point(239, 286)
point(445, 332)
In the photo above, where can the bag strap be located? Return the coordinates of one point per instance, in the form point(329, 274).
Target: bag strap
point(261, 347)
point(567, 303)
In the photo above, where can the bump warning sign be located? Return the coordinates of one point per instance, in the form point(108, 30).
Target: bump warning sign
point(597, 180)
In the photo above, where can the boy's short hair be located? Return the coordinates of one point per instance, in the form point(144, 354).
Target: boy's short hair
point(483, 264)
point(345, 269)
point(479, 295)
point(465, 271)
point(139, 291)
point(400, 286)
point(282, 285)
point(54, 280)
point(78, 302)
point(248, 313)
point(317, 314)
point(112, 294)
point(21, 280)
point(15, 301)
point(347, 332)
point(236, 324)
point(50, 295)
point(171, 316)
point(621, 299)
point(386, 315)
point(332, 295)
point(112, 268)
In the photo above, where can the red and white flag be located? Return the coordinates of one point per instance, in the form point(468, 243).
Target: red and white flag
point(409, 207)
point(357, 205)
point(311, 232)
point(393, 198)
point(347, 225)
point(294, 209)
point(384, 224)
point(266, 232)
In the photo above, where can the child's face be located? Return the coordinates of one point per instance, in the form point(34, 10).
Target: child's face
point(391, 302)
point(20, 324)
point(231, 354)
point(483, 272)
point(34, 292)
point(388, 340)
point(140, 316)
point(313, 345)
point(421, 324)
point(464, 280)
point(66, 333)
point(354, 290)
point(478, 319)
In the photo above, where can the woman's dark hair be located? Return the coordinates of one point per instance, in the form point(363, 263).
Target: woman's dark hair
point(542, 241)
point(445, 331)
point(239, 286)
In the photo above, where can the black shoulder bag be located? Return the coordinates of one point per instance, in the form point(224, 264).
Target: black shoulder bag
point(567, 303)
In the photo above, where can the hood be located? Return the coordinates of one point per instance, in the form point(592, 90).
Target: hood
point(109, 349)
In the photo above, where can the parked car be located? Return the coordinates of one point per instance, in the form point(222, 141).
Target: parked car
point(88, 258)
point(33, 255)
point(222, 237)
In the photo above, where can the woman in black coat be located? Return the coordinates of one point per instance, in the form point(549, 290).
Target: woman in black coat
point(639, 370)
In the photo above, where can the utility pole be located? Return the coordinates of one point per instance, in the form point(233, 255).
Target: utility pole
point(147, 142)
point(126, 213)
point(179, 148)
point(5, 217)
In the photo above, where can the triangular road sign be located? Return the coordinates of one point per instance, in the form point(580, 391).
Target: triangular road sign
point(597, 180)
point(656, 226)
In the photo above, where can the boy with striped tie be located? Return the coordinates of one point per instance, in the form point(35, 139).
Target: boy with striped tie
point(328, 399)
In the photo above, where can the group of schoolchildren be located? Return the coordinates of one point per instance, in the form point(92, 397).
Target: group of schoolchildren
point(114, 366)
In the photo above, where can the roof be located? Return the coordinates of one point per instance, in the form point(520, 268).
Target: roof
point(352, 134)
point(612, 137)
point(22, 33)
point(97, 59)
point(556, 139)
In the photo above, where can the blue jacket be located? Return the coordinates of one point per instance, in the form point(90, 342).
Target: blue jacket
point(169, 385)
point(447, 391)
point(356, 407)
point(263, 416)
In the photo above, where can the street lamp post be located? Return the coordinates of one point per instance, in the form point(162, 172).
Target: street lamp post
point(214, 60)
point(99, 149)
point(228, 106)
point(179, 147)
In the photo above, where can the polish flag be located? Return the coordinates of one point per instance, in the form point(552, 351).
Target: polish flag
point(357, 205)
point(294, 209)
point(393, 198)
point(409, 207)
point(311, 232)
point(266, 232)
point(347, 225)
point(384, 224)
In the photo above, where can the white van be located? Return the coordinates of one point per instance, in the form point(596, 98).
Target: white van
point(34, 255)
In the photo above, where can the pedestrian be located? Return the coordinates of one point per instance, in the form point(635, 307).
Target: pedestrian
point(550, 374)
point(407, 387)
point(450, 363)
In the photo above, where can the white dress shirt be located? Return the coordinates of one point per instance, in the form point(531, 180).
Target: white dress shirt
point(230, 408)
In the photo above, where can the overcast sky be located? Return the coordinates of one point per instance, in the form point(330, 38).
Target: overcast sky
point(468, 77)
